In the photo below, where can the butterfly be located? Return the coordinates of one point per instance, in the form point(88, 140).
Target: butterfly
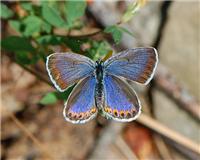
point(101, 87)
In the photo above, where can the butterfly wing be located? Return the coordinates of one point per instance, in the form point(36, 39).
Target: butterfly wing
point(65, 69)
point(121, 102)
point(137, 64)
point(80, 106)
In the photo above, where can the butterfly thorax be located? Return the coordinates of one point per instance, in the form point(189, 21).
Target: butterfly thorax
point(99, 74)
point(99, 70)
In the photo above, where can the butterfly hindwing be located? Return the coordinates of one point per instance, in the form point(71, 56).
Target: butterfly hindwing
point(121, 102)
point(80, 106)
point(136, 64)
point(65, 69)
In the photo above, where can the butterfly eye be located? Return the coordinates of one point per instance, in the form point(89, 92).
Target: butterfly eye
point(97, 63)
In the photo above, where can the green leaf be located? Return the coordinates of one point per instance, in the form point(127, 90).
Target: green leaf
point(46, 27)
point(24, 51)
point(6, 12)
point(52, 16)
point(49, 39)
point(22, 57)
point(26, 58)
point(129, 13)
point(126, 31)
point(115, 31)
point(74, 10)
point(49, 98)
point(98, 49)
point(32, 25)
point(27, 6)
point(16, 25)
point(15, 43)
point(73, 43)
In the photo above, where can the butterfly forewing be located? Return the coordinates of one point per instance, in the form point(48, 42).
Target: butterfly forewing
point(80, 106)
point(121, 102)
point(65, 69)
point(136, 64)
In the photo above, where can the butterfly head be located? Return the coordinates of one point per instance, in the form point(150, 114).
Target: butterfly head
point(99, 62)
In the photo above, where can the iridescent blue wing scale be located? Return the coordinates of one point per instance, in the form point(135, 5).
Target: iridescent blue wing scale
point(65, 69)
point(121, 102)
point(136, 64)
point(80, 106)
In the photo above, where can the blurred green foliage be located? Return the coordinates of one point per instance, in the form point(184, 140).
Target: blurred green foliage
point(35, 33)
point(6, 12)
point(49, 98)
point(74, 10)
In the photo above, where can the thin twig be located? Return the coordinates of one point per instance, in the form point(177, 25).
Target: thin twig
point(165, 81)
point(32, 71)
point(125, 149)
point(162, 147)
point(39, 76)
point(168, 133)
point(29, 134)
point(85, 35)
point(88, 35)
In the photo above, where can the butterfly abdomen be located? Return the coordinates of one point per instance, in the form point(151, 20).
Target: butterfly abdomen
point(99, 94)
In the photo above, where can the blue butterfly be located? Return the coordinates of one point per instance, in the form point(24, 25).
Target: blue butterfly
point(101, 86)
